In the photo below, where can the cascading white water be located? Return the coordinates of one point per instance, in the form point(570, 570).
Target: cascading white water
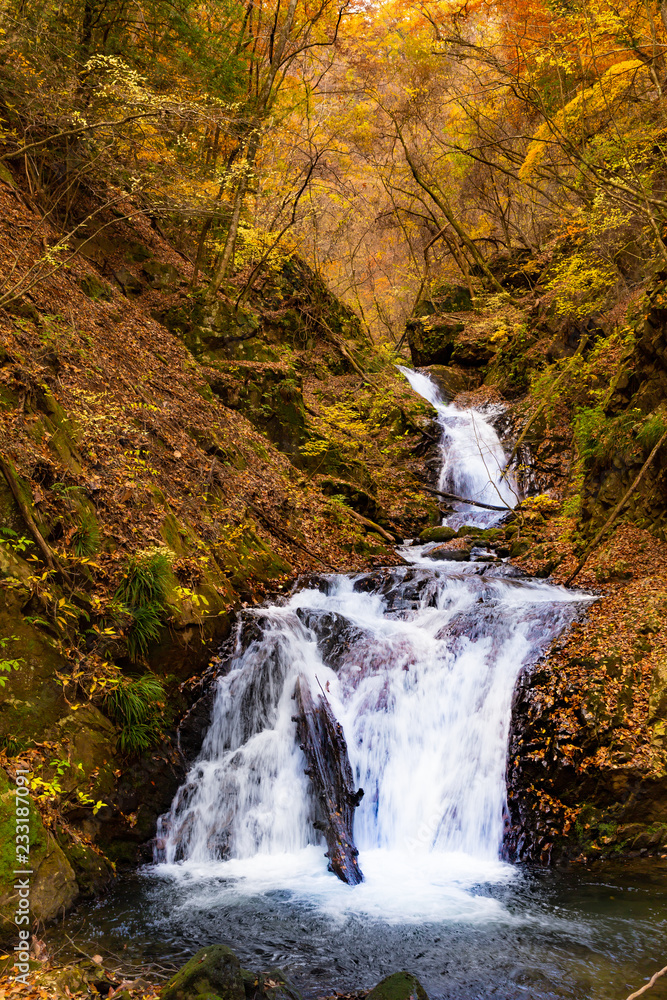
point(473, 460)
point(419, 666)
point(421, 680)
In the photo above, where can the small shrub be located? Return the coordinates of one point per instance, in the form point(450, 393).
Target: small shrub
point(651, 431)
point(86, 538)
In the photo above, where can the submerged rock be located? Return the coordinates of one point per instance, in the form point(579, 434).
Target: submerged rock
point(399, 986)
point(212, 972)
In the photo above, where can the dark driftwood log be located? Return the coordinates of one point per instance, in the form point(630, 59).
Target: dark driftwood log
point(325, 749)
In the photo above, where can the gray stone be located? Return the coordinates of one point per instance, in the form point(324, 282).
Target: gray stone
point(443, 554)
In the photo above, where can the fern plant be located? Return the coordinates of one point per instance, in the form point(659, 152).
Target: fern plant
point(143, 593)
point(136, 706)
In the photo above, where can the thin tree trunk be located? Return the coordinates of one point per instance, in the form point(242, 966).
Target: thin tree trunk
point(49, 557)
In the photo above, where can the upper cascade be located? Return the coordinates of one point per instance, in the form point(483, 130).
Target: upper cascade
point(474, 464)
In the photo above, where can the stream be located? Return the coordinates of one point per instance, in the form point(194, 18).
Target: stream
point(418, 664)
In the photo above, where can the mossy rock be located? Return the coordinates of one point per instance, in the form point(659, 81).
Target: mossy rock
point(443, 533)
point(93, 871)
point(162, 277)
point(270, 396)
point(446, 299)
point(469, 531)
point(214, 971)
point(53, 886)
point(95, 289)
point(432, 340)
point(356, 498)
point(399, 986)
point(137, 252)
point(32, 701)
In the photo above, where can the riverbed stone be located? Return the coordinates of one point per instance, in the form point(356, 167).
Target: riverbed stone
point(399, 986)
point(442, 533)
point(442, 554)
point(213, 971)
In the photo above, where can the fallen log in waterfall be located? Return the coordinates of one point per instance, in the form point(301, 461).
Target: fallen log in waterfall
point(325, 749)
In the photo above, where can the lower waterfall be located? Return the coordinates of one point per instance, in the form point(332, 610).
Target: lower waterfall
point(418, 664)
point(419, 667)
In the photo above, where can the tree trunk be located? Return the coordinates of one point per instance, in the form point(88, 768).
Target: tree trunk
point(329, 770)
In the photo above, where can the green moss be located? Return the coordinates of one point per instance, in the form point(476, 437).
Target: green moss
point(443, 533)
point(212, 971)
point(399, 986)
point(96, 289)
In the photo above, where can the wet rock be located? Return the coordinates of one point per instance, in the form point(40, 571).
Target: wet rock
point(212, 972)
point(443, 533)
point(399, 986)
point(442, 554)
point(449, 380)
point(335, 634)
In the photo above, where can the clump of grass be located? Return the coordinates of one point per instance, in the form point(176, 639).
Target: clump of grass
point(86, 538)
point(651, 431)
point(136, 706)
point(143, 593)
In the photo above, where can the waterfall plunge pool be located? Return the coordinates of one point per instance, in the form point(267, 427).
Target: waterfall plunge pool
point(468, 931)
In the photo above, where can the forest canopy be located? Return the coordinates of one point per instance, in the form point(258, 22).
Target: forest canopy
point(393, 145)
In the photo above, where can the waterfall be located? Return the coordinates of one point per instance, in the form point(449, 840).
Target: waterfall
point(473, 461)
point(418, 664)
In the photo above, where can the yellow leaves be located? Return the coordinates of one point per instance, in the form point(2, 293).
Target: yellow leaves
point(589, 112)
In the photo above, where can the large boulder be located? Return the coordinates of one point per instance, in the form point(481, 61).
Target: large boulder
point(432, 339)
point(398, 986)
point(212, 972)
point(451, 381)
